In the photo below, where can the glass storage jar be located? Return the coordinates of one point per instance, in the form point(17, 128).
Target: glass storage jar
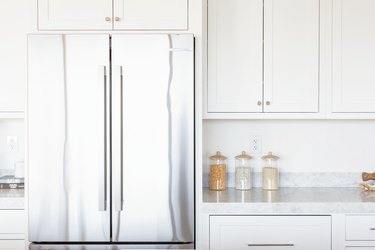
point(243, 171)
point(218, 172)
point(270, 172)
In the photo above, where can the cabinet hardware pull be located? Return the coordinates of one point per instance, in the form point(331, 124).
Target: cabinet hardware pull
point(268, 103)
point(117, 19)
point(259, 103)
point(372, 228)
point(271, 245)
point(107, 19)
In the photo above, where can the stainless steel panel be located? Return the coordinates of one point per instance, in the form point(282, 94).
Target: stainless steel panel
point(110, 247)
point(66, 137)
point(155, 143)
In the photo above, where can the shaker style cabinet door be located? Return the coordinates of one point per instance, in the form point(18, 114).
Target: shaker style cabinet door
point(150, 14)
point(235, 34)
point(291, 56)
point(353, 87)
point(13, 55)
point(74, 15)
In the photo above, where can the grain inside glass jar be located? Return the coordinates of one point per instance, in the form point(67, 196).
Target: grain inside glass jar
point(243, 171)
point(270, 175)
point(218, 172)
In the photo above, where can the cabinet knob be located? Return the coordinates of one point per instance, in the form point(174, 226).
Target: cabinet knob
point(107, 19)
point(259, 103)
point(117, 19)
point(268, 102)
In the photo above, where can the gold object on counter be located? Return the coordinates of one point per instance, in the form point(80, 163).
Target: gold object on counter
point(367, 187)
point(368, 176)
point(218, 172)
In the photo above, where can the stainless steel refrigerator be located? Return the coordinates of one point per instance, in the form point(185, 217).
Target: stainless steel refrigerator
point(111, 140)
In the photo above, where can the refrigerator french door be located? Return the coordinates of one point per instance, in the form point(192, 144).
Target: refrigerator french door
point(111, 138)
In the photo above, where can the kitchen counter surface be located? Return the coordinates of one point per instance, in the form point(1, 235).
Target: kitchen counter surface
point(12, 199)
point(289, 200)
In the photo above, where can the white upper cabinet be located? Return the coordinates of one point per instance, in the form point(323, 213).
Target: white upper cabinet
point(150, 14)
point(279, 76)
point(235, 55)
point(122, 15)
point(13, 55)
point(353, 88)
point(291, 56)
point(74, 14)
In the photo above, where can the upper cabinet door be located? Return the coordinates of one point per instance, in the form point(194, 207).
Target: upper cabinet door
point(150, 14)
point(291, 55)
point(353, 87)
point(235, 33)
point(74, 15)
point(13, 55)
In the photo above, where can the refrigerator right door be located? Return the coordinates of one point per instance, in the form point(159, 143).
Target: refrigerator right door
point(153, 138)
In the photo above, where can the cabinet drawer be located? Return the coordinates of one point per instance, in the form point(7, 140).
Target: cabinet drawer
point(360, 248)
point(12, 224)
point(271, 232)
point(360, 227)
point(12, 245)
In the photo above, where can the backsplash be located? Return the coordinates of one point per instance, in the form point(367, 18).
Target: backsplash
point(302, 180)
point(11, 127)
point(316, 150)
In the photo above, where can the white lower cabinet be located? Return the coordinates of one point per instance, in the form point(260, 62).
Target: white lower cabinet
point(12, 229)
point(270, 232)
point(360, 227)
point(12, 244)
point(360, 231)
point(360, 248)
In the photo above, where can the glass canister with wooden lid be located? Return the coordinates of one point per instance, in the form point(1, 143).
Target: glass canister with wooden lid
point(218, 171)
point(243, 171)
point(270, 172)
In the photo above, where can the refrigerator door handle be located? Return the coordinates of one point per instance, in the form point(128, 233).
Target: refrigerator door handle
point(103, 171)
point(117, 137)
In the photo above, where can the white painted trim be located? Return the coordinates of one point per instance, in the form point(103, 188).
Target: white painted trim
point(11, 115)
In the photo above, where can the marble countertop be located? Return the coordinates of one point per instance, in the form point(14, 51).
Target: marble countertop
point(289, 200)
point(12, 199)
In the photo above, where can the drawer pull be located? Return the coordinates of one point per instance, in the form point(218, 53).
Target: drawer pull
point(372, 228)
point(270, 245)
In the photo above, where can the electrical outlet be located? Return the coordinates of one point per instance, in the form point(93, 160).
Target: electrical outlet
point(255, 144)
point(12, 142)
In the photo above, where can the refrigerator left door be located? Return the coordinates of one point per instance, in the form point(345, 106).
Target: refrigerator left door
point(68, 133)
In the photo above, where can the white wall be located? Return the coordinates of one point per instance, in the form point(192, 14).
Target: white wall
point(12, 127)
point(303, 145)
